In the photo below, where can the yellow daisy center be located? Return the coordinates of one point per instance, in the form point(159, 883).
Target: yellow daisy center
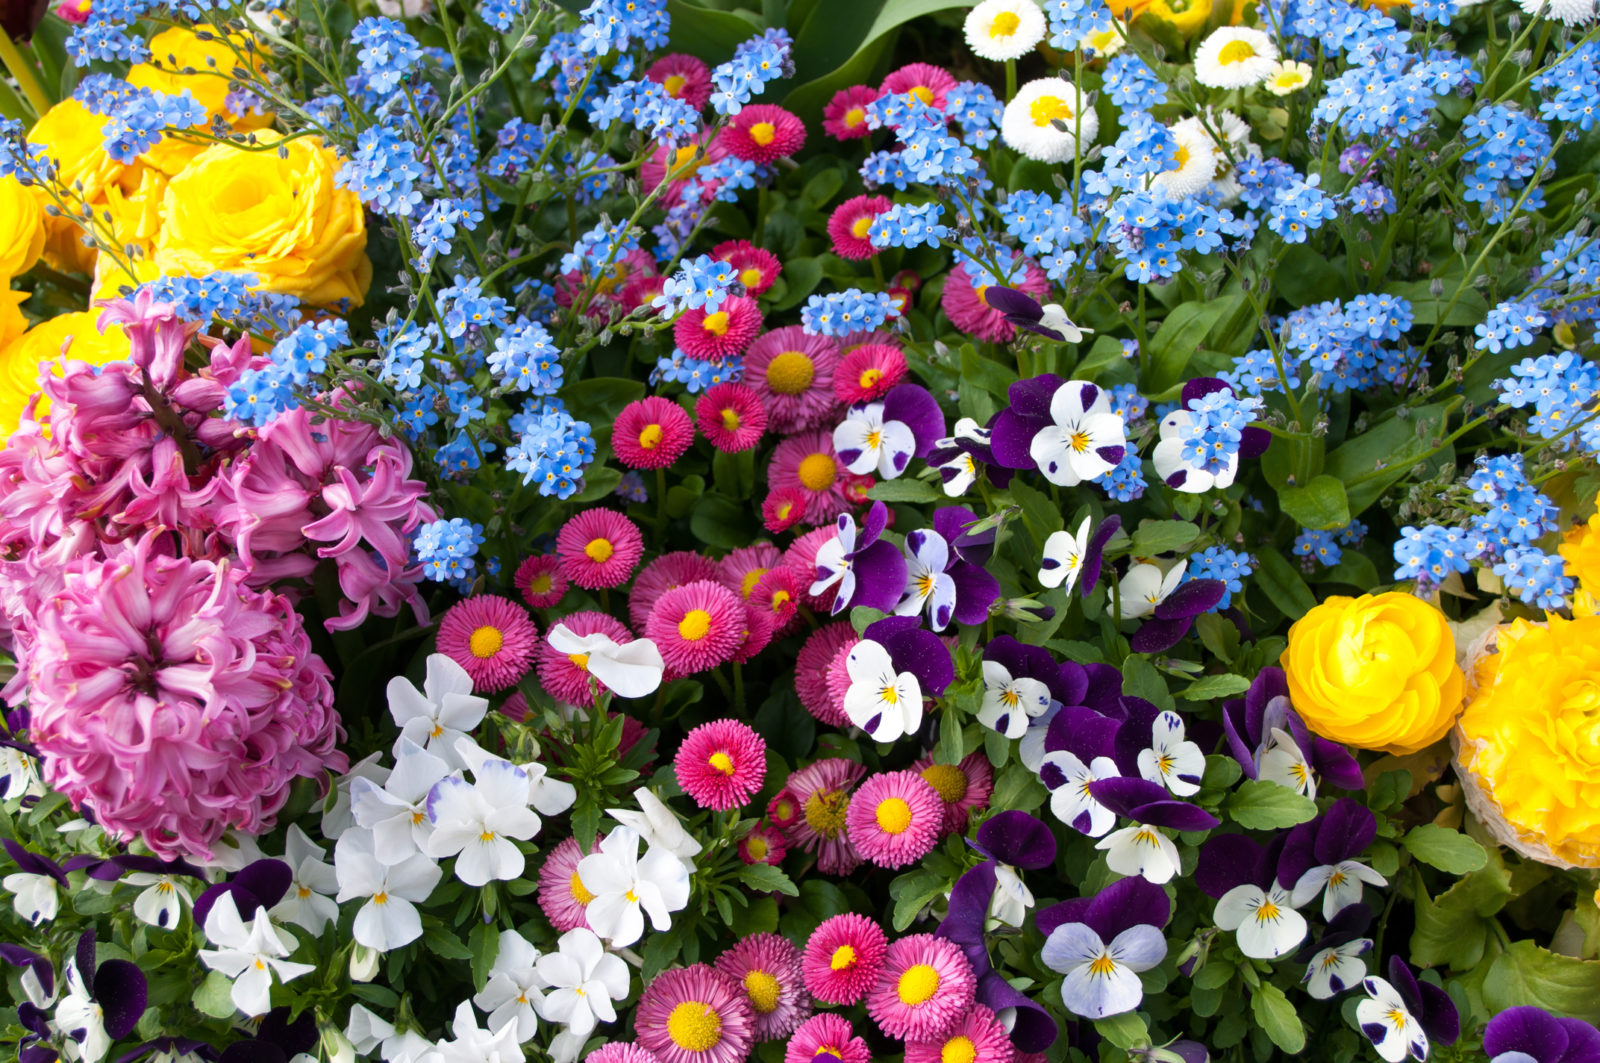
point(763, 133)
point(959, 1049)
point(1047, 109)
point(818, 471)
point(894, 815)
point(1182, 159)
point(485, 642)
point(949, 780)
point(581, 660)
point(825, 812)
point(1004, 25)
point(860, 227)
point(763, 991)
point(750, 278)
point(674, 84)
point(717, 323)
point(721, 761)
point(923, 93)
point(791, 373)
point(1079, 441)
point(684, 163)
point(751, 578)
point(580, 892)
point(540, 584)
point(1235, 52)
point(982, 292)
point(650, 438)
point(843, 958)
point(730, 419)
point(694, 1027)
point(918, 985)
point(599, 550)
point(781, 598)
point(756, 847)
point(854, 117)
point(695, 625)
point(869, 378)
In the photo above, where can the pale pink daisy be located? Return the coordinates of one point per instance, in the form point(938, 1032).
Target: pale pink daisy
point(567, 680)
point(978, 1037)
point(823, 790)
point(651, 433)
point(720, 764)
point(869, 372)
point(812, 666)
point(731, 416)
point(843, 958)
point(758, 268)
point(924, 989)
point(895, 818)
point(768, 967)
point(807, 461)
point(492, 638)
point(720, 334)
point(826, 1035)
point(662, 575)
point(685, 78)
point(845, 117)
point(696, 627)
point(562, 894)
point(540, 580)
point(763, 133)
point(793, 373)
point(598, 548)
point(921, 81)
point(963, 300)
point(741, 569)
point(695, 1015)
point(962, 788)
point(850, 226)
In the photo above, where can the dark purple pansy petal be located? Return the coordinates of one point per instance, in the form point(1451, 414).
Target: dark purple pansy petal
point(95, 867)
point(1268, 684)
point(1438, 1016)
point(915, 650)
point(1253, 442)
point(1177, 815)
point(872, 525)
point(1082, 732)
point(1126, 903)
point(294, 1037)
point(1068, 682)
point(1298, 855)
point(1062, 913)
point(1191, 599)
point(153, 866)
point(1226, 861)
point(1405, 983)
point(1031, 398)
point(1123, 795)
point(1034, 1030)
point(880, 571)
point(976, 591)
point(1012, 440)
point(1189, 1051)
point(1337, 765)
point(1134, 736)
point(1012, 303)
point(1105, 688)
point(267, 879)
point(119, 989)
point(1201, 386)
point(83, 956)
point(42, 968)
point(34, 1018)
point(1583, 1042)
point(1016, 838)
point(1158, 636)
point(1035, 327)
point(1344, 831)
point(1234, 729)
point(1527, 1029)
point(913, 406)
point(1095, 552)
point(254, 1051)
point(33, 863)
point(969, 907)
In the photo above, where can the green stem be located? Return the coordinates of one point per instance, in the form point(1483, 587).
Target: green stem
point(1011, 79)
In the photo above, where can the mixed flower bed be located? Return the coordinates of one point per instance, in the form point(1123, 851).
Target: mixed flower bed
point(667, 532)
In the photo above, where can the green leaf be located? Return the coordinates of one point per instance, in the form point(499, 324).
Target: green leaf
point(800, 278)
point(598, 483)
point(720, 521)
point(1446, 849)
point(1175, 348)
point(1219, 636)
point(1018, 788)
point(950, 750)
point(986, 373)
point(768, 879)
point(599, 399)
point(903, 491)
point(1275, 1015)
point(760, 916)
point(1124, 1031)
point(1528, 974)
point(1039, 514)
point(1261, 805)
point(1453, 928)
point(1206, 688)
point(1141, 680)
point(485, 944)
point(1283, 585)
point(214, 997)
point(1394, 443)
point(444, 943)
point(1163, 536)
point(1319, 505)
point(912, 892)
point(818, 900)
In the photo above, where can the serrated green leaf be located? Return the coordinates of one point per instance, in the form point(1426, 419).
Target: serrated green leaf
point(1528, 974)
point(1153, 537)
point(214, 996)
point(1261, 805)
point(768, 879)
point(1446, 849)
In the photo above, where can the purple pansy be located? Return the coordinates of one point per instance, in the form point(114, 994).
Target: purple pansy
point(1319, 857)
point(1402, 1015)
point(1141, 849)
point(103, 1002)
point(1269, 740)
point(1100, 945)
point(1175, 614)
point(1528, 1034)
point(1334, 962)
point(942, 577)
point(1011, 434)
point(261, 884)
point(35, 884)
point(883, 437)
point(868, 570)
point(1025, 312)
point(963, 454)
point(1250, 900)
point(38, 975)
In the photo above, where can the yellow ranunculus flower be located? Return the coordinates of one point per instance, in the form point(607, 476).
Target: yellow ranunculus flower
point(1375, 672)
point(210, 63)
point(280, 217)
point(1581, 552)
point(78, 332)
point(1528, 745)
point(110, 278)
point(21, 228)
point(1186, 16)
point(71, 135)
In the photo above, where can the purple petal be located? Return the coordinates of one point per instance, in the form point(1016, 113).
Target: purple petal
point(1111, 454)
point(1239, 744)
point(1298, 855)
point(1068, 682)
point(976, 591)
point(1201, 386)
point(1030, 398)
point(1189, 1051)
point(154, 866)
point(969, 907)
point(1095, 551)
point(1526, 1029)
point(1018, 839)
point(83, 956)
point(1439, 1016)
point(1012, 303)
point(268, 879)
point(914, 650)
point(1253, 442)
point(1191, 599)
point(1178, 815)
point(119, 988)
point(256, 1051)
point(916, 408)
point(1105, 688)
point(1123, 795)
point(1034, 1030)
point(1062, 913)
point(97, 868)
point(43, 970)
point(293, 1037)
point(34, 863)
point(1337, 765)
point(1012, 439)
point(1034, 326)
point(880, 572)
point(1226, 861)
point(1125, 903)
point(1269, 684)
point(1345, 830)
point(1583, 1045)
point(1158, 636)
point(1082, 732)
point(1405, 983)
point(872, 525)
point(1133, 737)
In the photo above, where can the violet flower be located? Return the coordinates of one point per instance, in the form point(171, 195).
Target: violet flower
point(1250, 900)
point(1141, 849)
point(33, 884)
point(1270, 741)
point(869, 571)
point(942, 578)
point(963, 455)
point(1063, 428)
point(1101, 944)
point(1025, 312)
point(1528, 1034)
point(891, 668)
point(1333, 962)
point(1013, 840)
point(38, 975)
point(261, 884)
point(1319, 857)
point(103, 1003)
point(1175, 614)
point(1403, 1015)
point(883, 437)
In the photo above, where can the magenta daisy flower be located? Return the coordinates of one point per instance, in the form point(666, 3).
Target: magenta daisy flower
point(878, 337)
point(851, 222)
point(695, 1015)
point(621, 1052)
point(822, 647)
point(685, 78)
point(696, 627)
point(845, 117)
point(843, 958)
point(962, 788)
point(680, 163)
point(925, 987)
point(665, 573)
point(763, 133)
point(923, 81)
point(836, 679)
point(540, 580)
point(768, 967)
point(740, 570)
point(567, 680)
point(758, 268)
point(598, 548)
point(793, 374)
point(492, 638)
point(651, 433)
point(562, 894)
point(720, 764)
point(869, 372)
point(732, 416)
point(778, 593)
point(823, 790)
point(783, 809)
point(758, 632)
point(977, 1037)
point(826, 1035)
point(783, 508)
point(964, 304)
point(807, 461)
point(763, 845)
point(721, 334)
point(895, 818)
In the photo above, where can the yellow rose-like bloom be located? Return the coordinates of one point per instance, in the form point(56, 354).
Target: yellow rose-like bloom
point(21, 228)
point(20, 358)
point(1375, 672)
point(281, 218)
point(211, 63)
point(1529, 741)
point(1581, 552)
point(69, 134)
point(1186, 16)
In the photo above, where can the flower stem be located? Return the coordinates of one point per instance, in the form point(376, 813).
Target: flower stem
point(22, 70)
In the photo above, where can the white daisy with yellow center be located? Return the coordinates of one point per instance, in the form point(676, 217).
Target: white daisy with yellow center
point(1048, 120)
point(1288, 76)
point(1001, 30)
point(1235, 57)
point(1195, 165)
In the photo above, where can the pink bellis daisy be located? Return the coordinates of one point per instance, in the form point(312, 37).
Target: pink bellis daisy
point(925, 987)
point(677, 164)
point(720, 334)
point(740, 570)
point(851, 222)
point(684, 77)
point(567, 680)
point(492, 638)
point(540, 580)
point(783, 809)
point(757, 267)
point(731, 416)
point(978, 1037)
point(768, 967)
point(895, 818)
point(843, 958)
point(598, 548)
point(808, 461)
point(793, 373)
point(921, 81)
point(778, 592)
point(782, 509)
point(826, 1035)
point(881, 337)
point(763, 133)
point(759, 629)
point(817, 656)
point(763, 845)
point(562, 894)
point(845, 117)
point(962, 788)
point(669, 571)
point(695, 1015)
point(720, 764)
point(823, 790)
point(651, 433)
point(621, 1052)
point(963, 300)
point(696, 627)
point(869, 372)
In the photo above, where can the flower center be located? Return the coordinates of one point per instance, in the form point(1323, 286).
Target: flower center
point(381, 897)
point(580, 892)
point(894, 815)
point(825, 812)
point(1182, 157)
point(791, 373)
point(918, 985)
point(540, 584)
point(1102, 965)
point(721, 761)
point(750, 580)
point(684, 163)
point(756, 847)
point(763, 133)
point(485, 642)
point(818, 471)
point(1235, 52)
point(959, 1049)
point(922, 93)
point(730, 420)
point(854, 117)
point(750, 278)
point(1267, 912)
point(694, 1027)
point(780, 599)
point(579, 659)
point(674, 84)
point(1047, 109)
point(695, 625)
point(1004, 25)
point(1079, 441)
point(763, 990)
point(650, 438)
point(599, 550)
point(949, 780)
point(861, 226)
point(716, 324)
point(982, 292)
point(869, 378)
point(843, 958)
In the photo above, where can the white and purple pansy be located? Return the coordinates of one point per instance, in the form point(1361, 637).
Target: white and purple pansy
point(944, 578)
point(1336, 962)
point(1070, 781)
point(1526, 1034)
point(867, 570)
point(1403, 1016)
point(1250, 724)
point(1204, 439)
point(1319, 857)
point(102, 1003)
point(1171, 759)
point(1099, 945)
point(960, 457)
point(1250, 900)
point(1141, 849)
point(1084, 440)
point(894, 665)
point(1049, 320)
point(883, 437)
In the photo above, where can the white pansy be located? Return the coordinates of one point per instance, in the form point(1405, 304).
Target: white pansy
point(868, 444)
point(1144, 587)
point(250, 956)
point(34, 897)
point(832, 561)
point(659, 826)
point(444, 710)
point(630, 670)
point(1172, 760)
point(547, 796)
point(473, 1044)
point(396, 811)
point(337, 817)
point(1102, 978)
point(1176, 470)
point(309, 902)
point(882, 702)
point(1264, 920)
point(1012, 898)
point(1336, 968)
point(512, 992)
point(1140, 850)
point(999, 30)
point(1068, 779)
point(19, 775)
point(161, 901)
point(1084, 434)
point(80, 1020)
point(1285, 763)
point(1389, 1024)
point(1340, 885)
point(583, 980)
point(626, 888)
point(480, 822)
point(366, 1030)
point(1061, 561)
point(389, 919)
point(928, 585)
point(1009, 703)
